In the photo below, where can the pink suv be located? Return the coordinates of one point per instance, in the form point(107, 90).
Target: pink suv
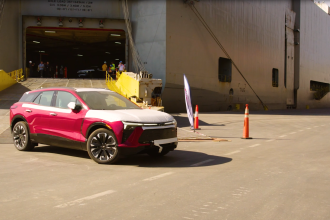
point(99, 121)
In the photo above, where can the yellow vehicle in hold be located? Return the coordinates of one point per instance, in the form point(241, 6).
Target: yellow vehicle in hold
point(140, 88)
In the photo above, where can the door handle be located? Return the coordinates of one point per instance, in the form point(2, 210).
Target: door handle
point(52, 114)
point(28, 110)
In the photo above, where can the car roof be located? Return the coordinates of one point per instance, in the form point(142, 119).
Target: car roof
point(91, 89)
point(71, 89)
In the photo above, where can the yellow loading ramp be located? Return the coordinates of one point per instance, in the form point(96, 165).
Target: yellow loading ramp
point(9, 79)
point(139, 88)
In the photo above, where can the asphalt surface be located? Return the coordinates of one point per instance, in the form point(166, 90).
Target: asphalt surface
point(282, 173)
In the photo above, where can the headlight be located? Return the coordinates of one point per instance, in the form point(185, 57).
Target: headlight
point(172, 123)
point(131, 125)
point(175, 123)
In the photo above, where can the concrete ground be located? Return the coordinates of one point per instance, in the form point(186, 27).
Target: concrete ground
point(282, 173)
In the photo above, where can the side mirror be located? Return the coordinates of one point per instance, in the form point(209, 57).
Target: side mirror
point(74, 106)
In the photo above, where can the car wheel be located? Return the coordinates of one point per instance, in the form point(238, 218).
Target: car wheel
point(102, 146)
point(21, 137)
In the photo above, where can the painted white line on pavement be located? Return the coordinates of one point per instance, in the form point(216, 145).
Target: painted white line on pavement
point(157, 177)
point(67, 83)
point(42, 84)
point(255, 145)
point(282, 136)
point(7, 113)
point(270, 140)
point(91, 83)
point(75, 202)
point(200, 163)
point(234, 152)
point(292, 132)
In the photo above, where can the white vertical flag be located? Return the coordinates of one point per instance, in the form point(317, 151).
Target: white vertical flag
point(188, 101)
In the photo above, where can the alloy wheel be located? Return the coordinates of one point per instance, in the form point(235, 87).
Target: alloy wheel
point(103, 146)
point(20, 136)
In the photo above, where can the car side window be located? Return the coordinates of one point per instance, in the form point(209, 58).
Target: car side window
point(29, 96)
point(64, 98)
point(45, 98)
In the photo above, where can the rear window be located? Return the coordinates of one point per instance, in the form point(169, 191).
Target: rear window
point(29, 97)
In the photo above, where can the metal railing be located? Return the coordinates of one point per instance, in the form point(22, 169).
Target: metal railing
point(17, 75)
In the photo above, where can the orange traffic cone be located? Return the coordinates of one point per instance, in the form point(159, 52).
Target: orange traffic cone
point(196, 124)
point(246, 124)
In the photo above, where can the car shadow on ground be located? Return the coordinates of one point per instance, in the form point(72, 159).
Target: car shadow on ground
point(62, 151)
point(176, 158)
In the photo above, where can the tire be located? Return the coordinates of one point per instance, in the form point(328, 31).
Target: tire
point(21, 137)
point(102, 146)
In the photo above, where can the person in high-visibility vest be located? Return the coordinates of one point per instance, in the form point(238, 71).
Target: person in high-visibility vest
point(113, 70)
point(104, 66)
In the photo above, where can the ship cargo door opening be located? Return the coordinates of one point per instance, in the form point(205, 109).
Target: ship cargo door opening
point(82, 51)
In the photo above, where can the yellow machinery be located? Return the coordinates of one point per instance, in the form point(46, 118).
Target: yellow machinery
point(141, 88)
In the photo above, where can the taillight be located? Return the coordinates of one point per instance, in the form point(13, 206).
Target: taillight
point(13, 106)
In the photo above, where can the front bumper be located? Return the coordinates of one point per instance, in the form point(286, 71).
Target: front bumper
point(159, 145)
point(141, 139)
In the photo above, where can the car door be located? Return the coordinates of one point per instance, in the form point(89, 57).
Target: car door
point(40, 109)
point(65, 122)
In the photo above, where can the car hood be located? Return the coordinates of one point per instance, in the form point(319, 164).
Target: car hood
point(130, 115)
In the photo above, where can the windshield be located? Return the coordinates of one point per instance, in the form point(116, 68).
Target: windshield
point(104, 100)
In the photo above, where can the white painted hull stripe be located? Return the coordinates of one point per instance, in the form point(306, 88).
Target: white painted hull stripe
point(47, 108)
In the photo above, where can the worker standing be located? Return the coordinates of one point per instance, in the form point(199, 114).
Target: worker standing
point(41, 68)
point(104, 67)
point(61, 72)
point(31, 69)
point(65, 72)
point(121, 67)
point(113, 70)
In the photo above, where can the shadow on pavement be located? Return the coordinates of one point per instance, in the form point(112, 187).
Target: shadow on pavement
point(11, 95)
point(176, 158)
point(62, 151)
point(184, 122)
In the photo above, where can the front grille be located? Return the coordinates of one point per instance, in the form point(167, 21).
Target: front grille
point(157, 134)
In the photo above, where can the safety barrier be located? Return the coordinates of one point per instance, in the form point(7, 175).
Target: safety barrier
point(111, 83)
point(124, 85)
point(6, 80)
point(17, 75)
